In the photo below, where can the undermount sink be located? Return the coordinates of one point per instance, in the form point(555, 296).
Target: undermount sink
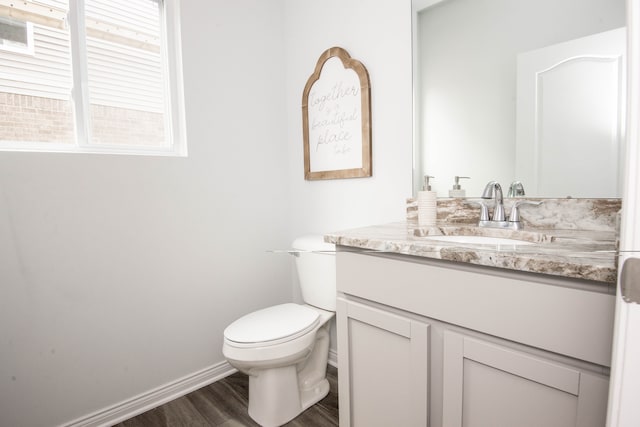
point(479, 240)
point(473, 235)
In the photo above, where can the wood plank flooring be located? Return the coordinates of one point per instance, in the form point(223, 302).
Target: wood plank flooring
point(224, 404)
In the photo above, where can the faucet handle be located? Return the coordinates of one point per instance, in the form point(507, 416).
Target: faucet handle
point(484, 209)
point(515, 212)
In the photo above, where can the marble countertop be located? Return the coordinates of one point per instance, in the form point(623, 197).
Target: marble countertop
point(581, 254)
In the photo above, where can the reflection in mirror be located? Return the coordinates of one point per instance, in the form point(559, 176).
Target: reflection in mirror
point(520, 90)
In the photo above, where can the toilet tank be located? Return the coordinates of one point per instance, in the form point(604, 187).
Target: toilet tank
point(316, 266)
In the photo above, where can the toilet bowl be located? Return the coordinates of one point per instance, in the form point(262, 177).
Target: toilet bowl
point(284, 348)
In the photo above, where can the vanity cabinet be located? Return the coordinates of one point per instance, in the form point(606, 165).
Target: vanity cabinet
point(427, 342)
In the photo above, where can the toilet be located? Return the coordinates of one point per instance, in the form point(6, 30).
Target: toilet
point(284, 348)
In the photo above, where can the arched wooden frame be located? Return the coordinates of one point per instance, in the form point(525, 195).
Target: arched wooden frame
point(365, 112)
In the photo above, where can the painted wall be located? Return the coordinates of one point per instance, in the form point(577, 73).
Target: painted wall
point(378, 34)
point(118, 274)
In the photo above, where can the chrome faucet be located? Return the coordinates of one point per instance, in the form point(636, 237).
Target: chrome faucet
point(498, 219)
point(516, 189)
point(494, 190)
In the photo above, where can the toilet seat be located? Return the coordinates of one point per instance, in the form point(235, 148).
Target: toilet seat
point(272, 325)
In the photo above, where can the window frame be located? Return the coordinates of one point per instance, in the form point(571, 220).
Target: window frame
point(175, 120)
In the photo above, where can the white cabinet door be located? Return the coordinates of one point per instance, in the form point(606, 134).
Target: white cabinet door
point(383, 367)
point(485, 384)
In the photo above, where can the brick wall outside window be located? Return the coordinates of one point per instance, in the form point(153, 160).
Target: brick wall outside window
point(112, 125)
point(35, 119)
point(38, 119)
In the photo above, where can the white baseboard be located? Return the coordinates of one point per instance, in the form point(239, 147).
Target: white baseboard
point(161, 395)
point(333, 358)
point(153, 398)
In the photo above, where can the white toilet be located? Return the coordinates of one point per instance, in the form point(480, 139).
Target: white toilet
point(284, 348)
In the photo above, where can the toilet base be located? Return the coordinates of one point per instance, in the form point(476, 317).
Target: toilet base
point(281, 388)
point(270, 408)
point(314, 395)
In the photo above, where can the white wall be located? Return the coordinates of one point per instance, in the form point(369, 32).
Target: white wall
point(119, 273)
point(378, 34)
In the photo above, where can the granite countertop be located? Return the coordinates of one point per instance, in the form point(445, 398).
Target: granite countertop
point(575, 253)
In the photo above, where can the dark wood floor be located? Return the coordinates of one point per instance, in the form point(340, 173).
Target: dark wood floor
point(224, 404)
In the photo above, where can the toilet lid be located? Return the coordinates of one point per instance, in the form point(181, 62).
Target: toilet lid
point(273, 324)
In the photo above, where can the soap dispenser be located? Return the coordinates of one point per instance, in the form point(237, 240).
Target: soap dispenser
point(457, 190)
point(427, 204)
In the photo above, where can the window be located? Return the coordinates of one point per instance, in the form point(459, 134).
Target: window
point(102, 76)
point(16, 35)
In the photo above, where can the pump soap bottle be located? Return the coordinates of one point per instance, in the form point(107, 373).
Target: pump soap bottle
point(457, 190)
point(427, 204)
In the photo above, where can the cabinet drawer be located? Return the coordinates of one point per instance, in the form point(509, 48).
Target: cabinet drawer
point(566, 320)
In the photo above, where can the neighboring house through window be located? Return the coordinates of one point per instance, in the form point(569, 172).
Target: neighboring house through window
point(91, 76)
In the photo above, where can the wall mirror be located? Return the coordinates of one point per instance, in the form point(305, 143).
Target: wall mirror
point(520, 90)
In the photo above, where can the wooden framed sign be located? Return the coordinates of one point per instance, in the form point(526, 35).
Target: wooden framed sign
point(336, 118)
